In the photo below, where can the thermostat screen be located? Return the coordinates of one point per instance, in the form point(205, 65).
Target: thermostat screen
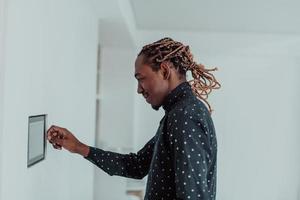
point(36, 139)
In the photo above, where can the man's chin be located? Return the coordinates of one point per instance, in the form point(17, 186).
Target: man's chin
point(155, 107)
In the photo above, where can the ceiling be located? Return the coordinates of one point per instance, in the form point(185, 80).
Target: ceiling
point(256, 16)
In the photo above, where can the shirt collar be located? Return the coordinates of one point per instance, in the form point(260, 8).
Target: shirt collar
point(181, 91)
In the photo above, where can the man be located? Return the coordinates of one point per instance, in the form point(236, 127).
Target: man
point(180, 160)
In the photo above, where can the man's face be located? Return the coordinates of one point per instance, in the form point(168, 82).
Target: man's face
point(151, 84)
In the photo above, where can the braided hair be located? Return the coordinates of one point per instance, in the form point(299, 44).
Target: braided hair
point(180, 55)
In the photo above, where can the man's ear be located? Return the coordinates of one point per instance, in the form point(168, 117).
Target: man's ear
point(165, 69)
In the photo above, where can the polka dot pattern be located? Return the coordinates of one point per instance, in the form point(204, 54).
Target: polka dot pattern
point(180, 160)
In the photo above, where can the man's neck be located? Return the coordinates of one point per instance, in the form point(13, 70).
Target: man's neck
point(174, 84)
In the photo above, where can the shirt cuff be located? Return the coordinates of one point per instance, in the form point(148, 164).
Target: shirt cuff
point(91, 152)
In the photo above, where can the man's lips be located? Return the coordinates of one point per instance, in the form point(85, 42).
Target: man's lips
point(146, 96)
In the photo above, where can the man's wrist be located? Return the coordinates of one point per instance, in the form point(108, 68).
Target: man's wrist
point(83, 150)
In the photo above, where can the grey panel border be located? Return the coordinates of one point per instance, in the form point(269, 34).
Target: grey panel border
point(33, 161)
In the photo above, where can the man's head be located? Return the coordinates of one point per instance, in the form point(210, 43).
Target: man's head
point(156, 82)
point(156, 72)
point(161, 66)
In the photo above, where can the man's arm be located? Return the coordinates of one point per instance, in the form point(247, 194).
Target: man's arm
point(127, 165)
point(83, 149)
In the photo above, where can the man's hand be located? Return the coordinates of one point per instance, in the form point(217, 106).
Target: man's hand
point(60, 137)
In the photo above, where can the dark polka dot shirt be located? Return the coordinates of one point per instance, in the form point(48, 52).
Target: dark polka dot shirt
point(180, 160)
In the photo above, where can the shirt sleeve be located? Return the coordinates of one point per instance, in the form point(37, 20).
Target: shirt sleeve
point(191, 155)
point(127, 165)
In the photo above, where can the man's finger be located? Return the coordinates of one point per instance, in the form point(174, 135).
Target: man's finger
point(53, 132)
point(57, 141)
point(54, 128)
point(56, 146)
point(51, 140)
point(50, 129)
point(52, 135)
point(50, 132)
point(57, 128)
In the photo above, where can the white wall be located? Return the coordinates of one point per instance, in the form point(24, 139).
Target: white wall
point(53, 44)
point(50, 68)
point(2, 39)
point(117, 86)
point(256, 119)
point(146, 121)
point(256, 111)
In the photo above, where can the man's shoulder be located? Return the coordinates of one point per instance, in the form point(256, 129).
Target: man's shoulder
point(192, 106)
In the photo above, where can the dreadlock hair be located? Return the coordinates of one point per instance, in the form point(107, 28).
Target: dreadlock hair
point(167, 49)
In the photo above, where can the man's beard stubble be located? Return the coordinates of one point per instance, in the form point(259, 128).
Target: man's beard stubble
point(155, 107)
